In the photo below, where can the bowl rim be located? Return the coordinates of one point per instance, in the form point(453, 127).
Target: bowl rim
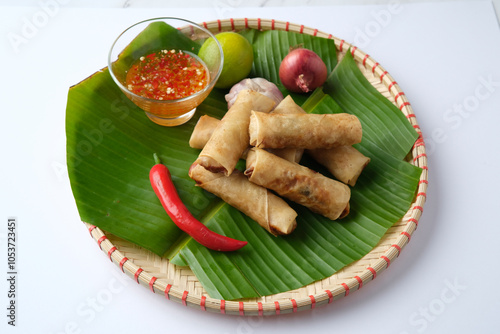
point(208, 87)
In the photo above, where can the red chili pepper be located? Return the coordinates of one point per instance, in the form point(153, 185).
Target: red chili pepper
point(165, 190)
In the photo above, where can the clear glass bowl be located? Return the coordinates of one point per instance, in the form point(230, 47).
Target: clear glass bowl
point(153, 35)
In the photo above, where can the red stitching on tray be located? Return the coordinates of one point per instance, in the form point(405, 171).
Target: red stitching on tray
point(341, 45)
point(330, 36)
point(419, 143)
point(111, 250)
point(223, 306)
point(313, 301)
point(202, 303)
point(330, 296)
point(258, 23)
point(287, 25)
point(382, 75)
point(398, 95)
point(205, 25)
point(241, 308)
point(360, 281)
point(403, 105)
point(152, 283)
point(422, 194)
point(346, 288)
point(272, 24)
point(315, 32)
point(413, 220)
point(386, 259)
point(416, 126)
point(397, 247)
point(364, 61)
point(167, 290)
point(122, 262)
point(219, 24)
point(410, 115)
point(419, 156)
point(374, 273)
point(101, 239)
point(294, 305)
point(423, 181)
point(261, 310)
point(246, 23)
point(373, 68)
point(277, 307)
point(91, 228)
point(406, 234)
point(184, 297)
point(137, 273)
point(301, 29)
point(418, 207)
point(353, 49)
point(232, 24)
point(391, 84)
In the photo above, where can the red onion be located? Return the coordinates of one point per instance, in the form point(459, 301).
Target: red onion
point(302, 71)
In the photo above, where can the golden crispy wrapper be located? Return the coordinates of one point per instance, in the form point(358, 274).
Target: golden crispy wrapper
point(230, 138)
point(298, 183)
point(308, 131)
point(267, 209)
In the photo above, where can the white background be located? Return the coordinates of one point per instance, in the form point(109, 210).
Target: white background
point(445, 57)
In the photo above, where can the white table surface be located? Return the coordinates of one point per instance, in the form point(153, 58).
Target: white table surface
point(445, 57)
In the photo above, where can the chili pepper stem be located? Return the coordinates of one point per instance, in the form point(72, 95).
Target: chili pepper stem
point(157, 159)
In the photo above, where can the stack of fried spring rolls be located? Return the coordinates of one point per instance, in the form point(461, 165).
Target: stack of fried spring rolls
point(345, 162)
point(214, 169)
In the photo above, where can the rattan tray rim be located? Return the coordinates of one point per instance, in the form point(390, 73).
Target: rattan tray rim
point(350, 284)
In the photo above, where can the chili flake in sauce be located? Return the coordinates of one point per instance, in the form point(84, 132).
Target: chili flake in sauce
point(167, 75)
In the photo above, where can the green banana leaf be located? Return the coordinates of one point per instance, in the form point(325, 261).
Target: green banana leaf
point(383, 123)
point(110, 146)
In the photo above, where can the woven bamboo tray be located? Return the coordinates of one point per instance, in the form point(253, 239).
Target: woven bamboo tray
point(181, 285)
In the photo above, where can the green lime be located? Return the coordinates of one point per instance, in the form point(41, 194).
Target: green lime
point(238, 57)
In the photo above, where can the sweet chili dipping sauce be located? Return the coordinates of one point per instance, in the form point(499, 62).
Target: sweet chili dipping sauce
point(167, 75)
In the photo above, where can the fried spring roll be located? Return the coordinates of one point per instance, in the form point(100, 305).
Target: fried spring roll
point(230, 138)
point(309, 131)
point(288, 106)
point(298, 183)
point(267, 209)
point(290, 154)
point(202, 131)
point(344, 162)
